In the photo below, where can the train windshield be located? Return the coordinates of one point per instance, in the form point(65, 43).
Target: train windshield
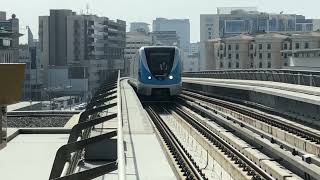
point(160, 60)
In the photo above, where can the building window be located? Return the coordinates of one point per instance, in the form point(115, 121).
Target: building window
point(285, 55)
point(260, 55)
point(269, 46)
point(285, 64)
point(269, 64)
point(237, 46)
point(229, 64)
point(229, 56)
point(251, 55)
point(229, 47)
point(237, 65)
point(260, 46)
point(260, 64)
point(306, 45)
point(221, 56)
point(221, 65)
point(296, 54)
point(285, 46)
point(221, 47)
point(297, 45)
point(237, 56)
point(269, 55)
point(251, 46)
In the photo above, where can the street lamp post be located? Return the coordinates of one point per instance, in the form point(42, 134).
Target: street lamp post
point(48, 92)
point(69, 87)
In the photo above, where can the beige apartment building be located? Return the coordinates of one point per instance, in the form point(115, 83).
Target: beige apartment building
point(302, 51)
point(264, 51)
point(232, 52)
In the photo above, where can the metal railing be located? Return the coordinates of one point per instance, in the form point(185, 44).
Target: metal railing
point(68, 156)
point(120, 150)
point(300, 77)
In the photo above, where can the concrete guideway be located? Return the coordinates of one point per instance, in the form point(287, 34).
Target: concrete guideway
point(299, 107)
point(296, 92)
point(264, 162)
point(295, 163)
point(308, 145)
point(311, 90)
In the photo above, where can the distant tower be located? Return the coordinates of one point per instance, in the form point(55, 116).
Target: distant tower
point(87, 8)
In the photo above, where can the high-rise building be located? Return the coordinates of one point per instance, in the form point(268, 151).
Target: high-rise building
point(134, 41)
point(29, 54)
point(180, 26)
point(139, 27)
point(90, 37)
point(86, 49)
point(97, 43)
point(58, 36)
point(9, 39)
point(234, 21)
point(228, 10)
point(44, 48)
point(3, 15)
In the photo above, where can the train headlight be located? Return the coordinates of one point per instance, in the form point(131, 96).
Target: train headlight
point(170, 77)
point(149, 77)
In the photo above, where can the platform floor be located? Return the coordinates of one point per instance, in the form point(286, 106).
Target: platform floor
point(30, 156)
point(144, 155)
point(290, 91)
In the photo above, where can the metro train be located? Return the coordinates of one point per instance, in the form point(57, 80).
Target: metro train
point(156, 71)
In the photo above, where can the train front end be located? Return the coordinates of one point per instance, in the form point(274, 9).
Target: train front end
point(160, 71)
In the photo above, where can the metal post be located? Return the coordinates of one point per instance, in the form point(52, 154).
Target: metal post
point(121, 160)
point(49, 94)
point(3, 126)
point(84, 84)
point(70, 93)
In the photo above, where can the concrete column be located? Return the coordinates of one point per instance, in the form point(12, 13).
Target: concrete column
point(3, 126)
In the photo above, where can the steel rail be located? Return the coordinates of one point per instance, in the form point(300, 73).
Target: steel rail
point(183, 158)
point(292, 162)
point(253, 170)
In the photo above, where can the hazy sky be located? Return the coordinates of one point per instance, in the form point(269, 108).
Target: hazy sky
point(147, 10)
